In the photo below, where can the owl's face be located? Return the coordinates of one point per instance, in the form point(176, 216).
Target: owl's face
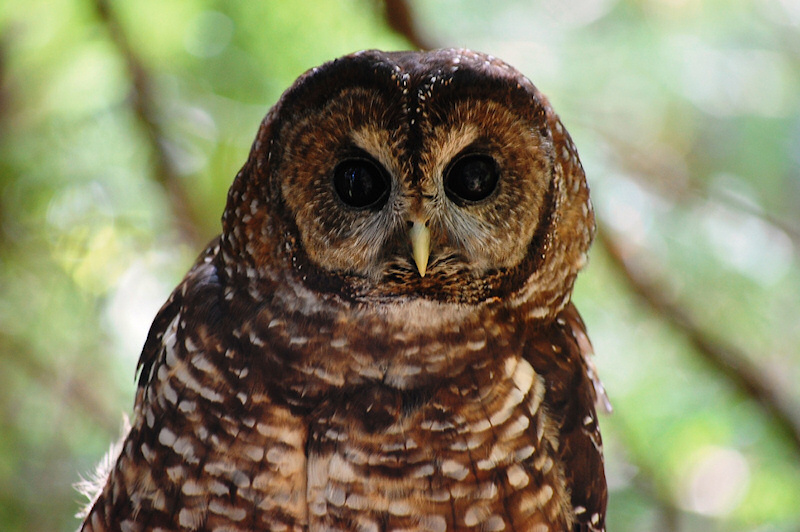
point(425, 175)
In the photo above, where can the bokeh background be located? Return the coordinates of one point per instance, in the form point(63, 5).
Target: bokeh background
point(122, 124)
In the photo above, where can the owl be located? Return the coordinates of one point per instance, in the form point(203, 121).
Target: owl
point(382, 337)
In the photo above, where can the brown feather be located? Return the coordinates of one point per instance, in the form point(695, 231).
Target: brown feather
point(305, 376)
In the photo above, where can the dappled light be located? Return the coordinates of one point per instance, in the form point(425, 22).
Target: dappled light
point(122, 125)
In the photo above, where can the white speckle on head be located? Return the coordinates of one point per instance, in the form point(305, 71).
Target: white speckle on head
point(576, 185)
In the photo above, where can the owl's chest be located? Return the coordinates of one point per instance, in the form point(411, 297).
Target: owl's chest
point(378, 460)
point(458, 457)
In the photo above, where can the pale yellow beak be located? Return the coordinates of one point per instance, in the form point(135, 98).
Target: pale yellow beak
point(420, 245)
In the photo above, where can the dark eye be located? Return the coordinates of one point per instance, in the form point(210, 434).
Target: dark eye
point(360, 183)
point(471, 178)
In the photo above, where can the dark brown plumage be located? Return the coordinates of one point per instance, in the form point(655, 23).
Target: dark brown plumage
point(382, 338)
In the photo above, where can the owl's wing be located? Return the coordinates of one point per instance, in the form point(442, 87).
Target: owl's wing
point(154, 342)
point(572, 392)
point(132, 483)
point(578, 329)
point(582, 446)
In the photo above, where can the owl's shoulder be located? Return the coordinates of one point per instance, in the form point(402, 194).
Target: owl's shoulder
point(198, 294)
point(561, 354)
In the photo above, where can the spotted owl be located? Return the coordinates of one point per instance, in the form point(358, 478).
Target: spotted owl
point(382, 336)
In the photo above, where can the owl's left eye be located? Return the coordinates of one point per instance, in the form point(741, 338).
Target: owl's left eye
point(361, 183)
point(471, 178)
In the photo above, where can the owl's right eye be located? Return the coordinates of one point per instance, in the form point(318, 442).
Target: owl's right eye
point(360, 183)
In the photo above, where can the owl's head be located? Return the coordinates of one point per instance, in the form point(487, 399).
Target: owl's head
point(442, 175)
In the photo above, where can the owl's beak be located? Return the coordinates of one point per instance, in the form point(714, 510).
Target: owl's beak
point(420, 245)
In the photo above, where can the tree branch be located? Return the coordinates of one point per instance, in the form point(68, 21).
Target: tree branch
point(145, 109)
point(727, 360)
point(399, 16)
point(73, 393)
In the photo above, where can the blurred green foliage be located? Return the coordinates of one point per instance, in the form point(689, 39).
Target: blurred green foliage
point(687, 117)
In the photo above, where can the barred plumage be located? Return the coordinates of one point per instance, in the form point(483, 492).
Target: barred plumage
point(320, 369)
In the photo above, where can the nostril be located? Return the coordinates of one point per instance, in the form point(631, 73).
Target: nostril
point(410, 223)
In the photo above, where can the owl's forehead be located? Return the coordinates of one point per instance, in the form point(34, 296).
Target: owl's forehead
point(421, 69)
point(417, 81)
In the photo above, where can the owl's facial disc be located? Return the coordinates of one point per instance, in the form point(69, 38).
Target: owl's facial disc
point(443, 176)
point(441, 204)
